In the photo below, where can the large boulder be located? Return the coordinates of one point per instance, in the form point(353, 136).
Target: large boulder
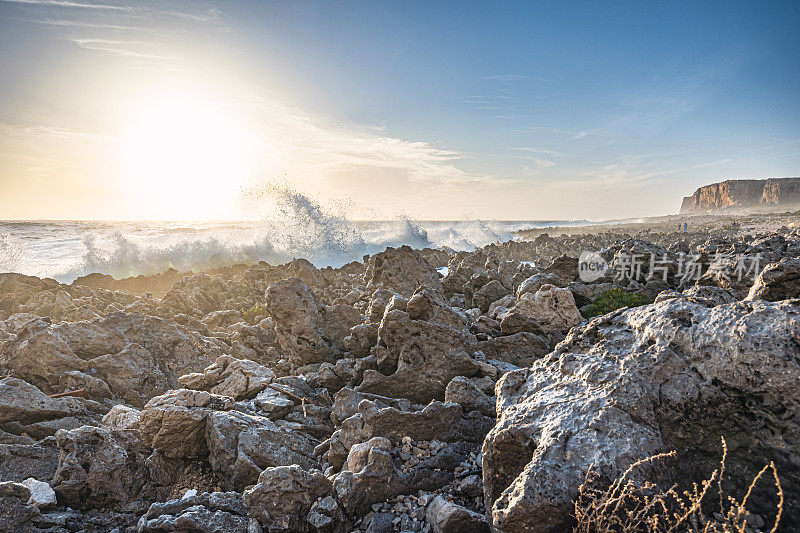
point(778, 281)
point(175, 422)
point(238, 378)
point(637, 382)
point(552, 307)
point(15, 512)
point(420, 351)
point(25, 409)
point(135, 356)
point(201, 513)
point(102, 467)
point(283, 497)
point(242, 445)
point(308, 332)
point(448, 517)
point(402, 270)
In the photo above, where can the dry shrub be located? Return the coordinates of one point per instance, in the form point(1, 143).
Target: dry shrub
point(641, 506)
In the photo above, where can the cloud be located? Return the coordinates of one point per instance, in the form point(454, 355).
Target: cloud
point(123, 28)
point(512, 77)
point(319, 147)
point(551, 153)
point(68, 4)
point(505, 77)
point(580, 135)
point(131, 49)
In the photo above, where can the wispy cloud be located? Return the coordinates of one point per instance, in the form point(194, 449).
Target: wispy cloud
point(318, 146)
point(122, 28)
point(580, 135)
point(131, 49)
point(69, 4)
point(551, 153)
point(512, 77)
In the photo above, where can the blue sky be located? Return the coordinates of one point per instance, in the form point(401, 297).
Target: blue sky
point(528, 110)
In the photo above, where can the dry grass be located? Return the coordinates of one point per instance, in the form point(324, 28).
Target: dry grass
point(254, 315)
point(628, 506)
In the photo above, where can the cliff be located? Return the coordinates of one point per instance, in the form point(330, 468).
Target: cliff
point(743, 194)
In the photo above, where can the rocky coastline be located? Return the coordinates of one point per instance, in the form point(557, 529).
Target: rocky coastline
point(395, 394)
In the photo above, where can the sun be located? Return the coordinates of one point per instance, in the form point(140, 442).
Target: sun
point(185, 155)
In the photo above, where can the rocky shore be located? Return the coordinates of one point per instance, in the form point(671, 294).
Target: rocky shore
point(418, 390)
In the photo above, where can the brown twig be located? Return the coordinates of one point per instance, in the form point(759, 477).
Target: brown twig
point(202, 349)
point(79, 392)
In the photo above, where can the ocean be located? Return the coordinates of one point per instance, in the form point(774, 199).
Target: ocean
point(65, 250)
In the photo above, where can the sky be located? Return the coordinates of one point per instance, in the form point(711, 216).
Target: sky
point(180, 109)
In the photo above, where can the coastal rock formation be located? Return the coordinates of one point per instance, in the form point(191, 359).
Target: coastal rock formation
point(743, 194)
point(631, 384)
point(385, 396)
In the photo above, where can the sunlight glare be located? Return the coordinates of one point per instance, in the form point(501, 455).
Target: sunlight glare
point(185, 155)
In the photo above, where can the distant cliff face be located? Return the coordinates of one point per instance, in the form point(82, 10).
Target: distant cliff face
point(743, 194)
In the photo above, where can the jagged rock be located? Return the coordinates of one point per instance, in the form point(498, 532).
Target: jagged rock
point(778, 281)
point(377, 304)
point(240, 379)
point(122, 417)
point(307, 331)
point(216, 319)
point(401, 270)
point(175, 422)
point(326, 516)
point(707, 295)
point(377, 480)
point(625, 386)
point(358, 457)
point(565, 267)
point(201, 513)
point(299, 321)
point(346, 400)
point(199, 294)
point(283, 497)
point(462, 391)
point(26, 407)
point(442, 421)
point(137, 356)
point(514, 322)
point(361, 339)
point(449, 517)
point(20, 461)
point(552, 307)
point(15, 512)
point(419, 357)
point(501, 306)
point(42, 494)
point(485, 327)
point(100, 467)
point(586, 293)
point(519, 349)
point(535, 282)
point(332, 377)
point(242, 445)
point(489, 293)
point(381, 523)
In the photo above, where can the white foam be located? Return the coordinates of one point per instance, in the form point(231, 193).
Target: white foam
point(297, 227)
